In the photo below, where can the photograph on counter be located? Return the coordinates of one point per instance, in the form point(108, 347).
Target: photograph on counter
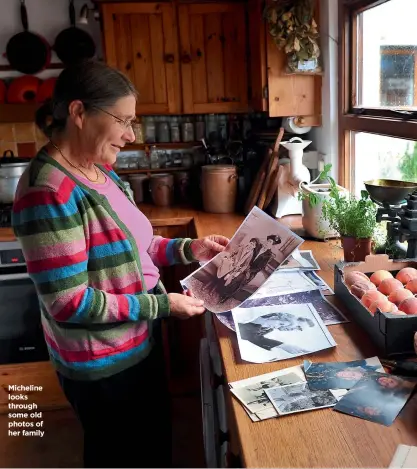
point(303, 260)
point(251, 392)
point(299, 398)
point(317, 280)
point(254, 252)
point(377, 397)
point(339, 375)
point(273, 333)
point(327, 311)
point(285, 282)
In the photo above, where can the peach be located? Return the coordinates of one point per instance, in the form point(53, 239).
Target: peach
point(379, 275)
point(354, 276)
point(389, 285)
point(384, 306)
point(412, 286)
point(371, 296)
point(406, 274)
point(399, 295)
point(408, 306)
point(360, 288)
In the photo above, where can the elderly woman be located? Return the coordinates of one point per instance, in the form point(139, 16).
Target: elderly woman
point(94, 261)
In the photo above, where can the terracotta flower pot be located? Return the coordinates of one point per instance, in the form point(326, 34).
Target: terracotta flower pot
point(356, 249)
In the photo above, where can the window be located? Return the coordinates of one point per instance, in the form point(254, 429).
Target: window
point(378, 91)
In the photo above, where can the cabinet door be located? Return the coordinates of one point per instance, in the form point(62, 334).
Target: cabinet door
point(141, 40)
point(272, 89)
point(213, 58)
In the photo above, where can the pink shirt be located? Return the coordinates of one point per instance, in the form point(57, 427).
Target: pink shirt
point(136, 222)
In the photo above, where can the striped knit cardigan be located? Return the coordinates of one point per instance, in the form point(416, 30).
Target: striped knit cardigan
point(95, 310)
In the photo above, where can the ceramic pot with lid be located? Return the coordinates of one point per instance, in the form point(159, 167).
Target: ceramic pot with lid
point(162, 189)
point(11, 168)
point(219, 188)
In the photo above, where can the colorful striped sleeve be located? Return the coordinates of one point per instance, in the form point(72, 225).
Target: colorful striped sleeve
point(165, 251)
point(50, 229)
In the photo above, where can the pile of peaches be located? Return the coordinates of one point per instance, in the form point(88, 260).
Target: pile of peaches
point(384, 292)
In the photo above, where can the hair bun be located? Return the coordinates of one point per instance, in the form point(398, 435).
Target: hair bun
point(43, 117)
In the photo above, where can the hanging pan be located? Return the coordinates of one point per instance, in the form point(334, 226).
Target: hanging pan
point(27, 52)
point(73, 44)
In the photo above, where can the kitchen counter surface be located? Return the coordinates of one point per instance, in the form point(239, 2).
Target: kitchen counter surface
point(321, 438)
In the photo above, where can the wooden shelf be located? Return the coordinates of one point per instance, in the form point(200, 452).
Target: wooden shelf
point(149, 170)
point(24, 112)
point(168, 146)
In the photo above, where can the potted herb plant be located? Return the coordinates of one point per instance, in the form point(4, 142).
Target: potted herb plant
point(352, 218)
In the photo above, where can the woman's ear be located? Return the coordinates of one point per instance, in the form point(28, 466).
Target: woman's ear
point(76, 113)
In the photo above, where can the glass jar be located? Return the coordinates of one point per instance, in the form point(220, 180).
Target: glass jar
point(188, 131)
point(200, 128)
point(138, 131)
point(175, 130)
point(153, 158)
point(163, 132)
point(150, 130)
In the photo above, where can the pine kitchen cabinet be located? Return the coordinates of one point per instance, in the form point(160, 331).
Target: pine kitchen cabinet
point(272, 89)
point(183, 58)
point(213, 57)
point(141, 40)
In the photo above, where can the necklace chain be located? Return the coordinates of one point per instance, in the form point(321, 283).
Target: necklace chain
point(77, 167)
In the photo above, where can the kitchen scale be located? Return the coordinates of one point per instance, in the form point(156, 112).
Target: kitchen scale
point(397, 205)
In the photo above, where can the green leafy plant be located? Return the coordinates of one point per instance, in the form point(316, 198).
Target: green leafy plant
point(313, 198)
point(349, 215)
point(408, 165)
point(293, 28)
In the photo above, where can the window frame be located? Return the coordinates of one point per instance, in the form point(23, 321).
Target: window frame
point(379, 121)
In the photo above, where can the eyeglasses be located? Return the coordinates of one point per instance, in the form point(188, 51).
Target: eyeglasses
point(124, 123)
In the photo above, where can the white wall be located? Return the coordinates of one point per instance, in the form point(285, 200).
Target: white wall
point(47, 18)
point(326, 136)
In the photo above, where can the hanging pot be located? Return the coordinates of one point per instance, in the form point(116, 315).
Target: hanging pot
point(74, 44)
point(23, 90)
point(27, 52)
point(11, 168)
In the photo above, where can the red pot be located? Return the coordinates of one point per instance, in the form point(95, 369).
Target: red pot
point(46, 89)
point(23, 89)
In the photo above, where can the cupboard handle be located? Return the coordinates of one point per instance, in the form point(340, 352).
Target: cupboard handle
point(169, 58)
point(186, 59)
point(128, 66)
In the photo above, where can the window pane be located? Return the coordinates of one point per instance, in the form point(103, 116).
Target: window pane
point(377, 156)
point(387, 55)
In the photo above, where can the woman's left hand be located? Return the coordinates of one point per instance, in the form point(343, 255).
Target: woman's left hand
point(206, 248)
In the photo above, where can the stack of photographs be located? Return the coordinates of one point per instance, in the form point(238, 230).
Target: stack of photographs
point(360, 388)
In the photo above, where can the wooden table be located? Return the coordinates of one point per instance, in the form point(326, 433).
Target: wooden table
point(321, 438)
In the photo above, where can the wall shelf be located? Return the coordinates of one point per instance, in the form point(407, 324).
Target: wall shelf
point(166, 146)
point(149, 170)
point(11, 113)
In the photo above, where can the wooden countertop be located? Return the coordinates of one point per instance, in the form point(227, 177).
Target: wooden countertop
point(321, 438)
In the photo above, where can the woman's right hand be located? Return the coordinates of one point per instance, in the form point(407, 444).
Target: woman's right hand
point(184, 306)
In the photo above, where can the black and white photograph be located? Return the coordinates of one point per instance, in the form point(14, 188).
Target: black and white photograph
point(317, 280)
point(285, 282)
point(339, 375)
point(377, 397)
point(327, 311)
point(256, 250)
point(299, 398)
point(251, 392)
point(303, 260)
point(273, 333)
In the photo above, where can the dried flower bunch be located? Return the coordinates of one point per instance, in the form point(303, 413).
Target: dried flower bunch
point(293, 28)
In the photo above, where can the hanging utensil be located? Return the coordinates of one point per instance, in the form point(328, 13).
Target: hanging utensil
point(27, 52)
point(74, 44)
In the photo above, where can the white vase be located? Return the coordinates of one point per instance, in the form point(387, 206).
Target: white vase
point(299, 173)
point(313, 221)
